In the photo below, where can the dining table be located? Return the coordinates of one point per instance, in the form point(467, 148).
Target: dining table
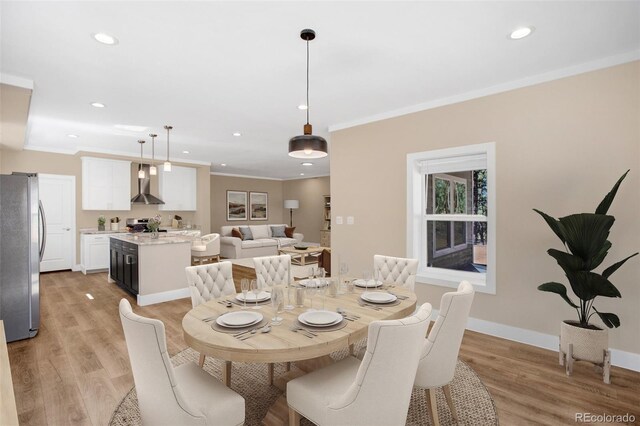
point(282, 343)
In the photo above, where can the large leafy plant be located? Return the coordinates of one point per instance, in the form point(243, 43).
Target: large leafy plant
point(584, 236)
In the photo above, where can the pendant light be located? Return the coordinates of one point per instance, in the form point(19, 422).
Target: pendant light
point(141, 173)
point(153, 170)
point(167, 164)
point(307, 145)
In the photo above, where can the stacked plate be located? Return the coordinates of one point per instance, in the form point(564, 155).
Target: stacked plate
point(313, 283)
point(320, 318)
point(252, 297)
point(239, 319)
point(367, 284)
point(378, 297)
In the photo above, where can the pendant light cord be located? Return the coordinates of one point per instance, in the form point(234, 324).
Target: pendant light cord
point(307, 81)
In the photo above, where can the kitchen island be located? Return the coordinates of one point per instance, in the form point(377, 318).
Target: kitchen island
point(152, 269)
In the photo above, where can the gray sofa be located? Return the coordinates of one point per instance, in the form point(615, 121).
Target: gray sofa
point(263, 243)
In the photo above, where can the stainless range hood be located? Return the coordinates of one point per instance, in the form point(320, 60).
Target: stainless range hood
point(144, 189)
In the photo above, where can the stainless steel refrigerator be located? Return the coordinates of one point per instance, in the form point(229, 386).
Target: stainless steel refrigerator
point(22, 241)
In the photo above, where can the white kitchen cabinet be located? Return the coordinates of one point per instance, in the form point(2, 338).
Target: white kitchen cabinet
point(94, 252)
point(178, 189)
point(106, 184)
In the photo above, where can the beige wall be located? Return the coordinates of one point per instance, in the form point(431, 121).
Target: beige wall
point(560, 146)
point(220, 185)
point(308, 219)
point(44, 162)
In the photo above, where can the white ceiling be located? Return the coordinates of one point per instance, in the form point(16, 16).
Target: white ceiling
point(214, 68)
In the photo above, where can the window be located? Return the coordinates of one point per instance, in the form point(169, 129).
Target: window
point(451, 215)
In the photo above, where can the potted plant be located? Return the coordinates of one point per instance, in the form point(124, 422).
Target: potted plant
point(584, 236)
point(154, 225)
point(101, 221)
point(115, 222)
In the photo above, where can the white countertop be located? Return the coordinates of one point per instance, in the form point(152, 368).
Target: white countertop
point(144, 239)
point(123, 230)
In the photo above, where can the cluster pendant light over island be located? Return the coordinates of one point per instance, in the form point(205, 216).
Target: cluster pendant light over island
point(307, 145)
point(145, 171)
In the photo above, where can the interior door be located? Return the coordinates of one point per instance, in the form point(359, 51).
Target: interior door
point(58, 196)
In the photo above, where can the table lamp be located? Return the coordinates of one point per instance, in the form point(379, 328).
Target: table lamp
point(291, 204)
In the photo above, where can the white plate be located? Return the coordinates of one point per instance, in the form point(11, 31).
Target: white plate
point(239, 319)
point(313, 283)
point(367, 284)
point(251, 297)
point(378, 297)
point(320, 318)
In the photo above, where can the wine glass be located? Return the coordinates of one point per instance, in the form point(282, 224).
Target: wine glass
point(245, 285)
point(255, 289)
point(366, 276)
point(277, 303)
point(344, 270)
point(320, 284)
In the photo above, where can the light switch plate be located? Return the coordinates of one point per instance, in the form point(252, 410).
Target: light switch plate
point(350, 220)
point(339, 220)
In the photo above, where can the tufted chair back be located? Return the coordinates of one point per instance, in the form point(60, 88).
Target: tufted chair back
point(440, 350)
point(380, 395)
point(209, 281)
point(396, 270)
point(272, 270)
point(208, 245)
point(159, 395)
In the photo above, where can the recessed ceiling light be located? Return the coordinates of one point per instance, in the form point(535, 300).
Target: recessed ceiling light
point(97, 105)
point(223, 165)
point(307, 164)
point(73, 136)
point(185, 152)
point(105, 38)
point(130, 128)
point(301, 174)
point(303, 107)
point(520, 33)
point(237, 134)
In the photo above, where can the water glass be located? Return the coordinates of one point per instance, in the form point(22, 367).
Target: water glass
point(277, 303)
point(255, 289)
point(291, 294)
point(367, 276)
point(245, 285)
point(300, 294)
point(343, 271)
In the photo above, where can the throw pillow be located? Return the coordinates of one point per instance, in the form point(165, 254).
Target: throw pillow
point(278, 231)
point(246, 233)
point(236, 233)
point(288, 231)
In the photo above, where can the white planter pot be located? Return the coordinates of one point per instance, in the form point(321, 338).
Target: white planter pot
point(588, 344)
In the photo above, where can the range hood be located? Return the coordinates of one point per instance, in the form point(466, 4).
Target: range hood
point(144, 189)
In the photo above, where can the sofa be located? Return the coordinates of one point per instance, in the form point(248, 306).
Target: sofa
point(263, 243)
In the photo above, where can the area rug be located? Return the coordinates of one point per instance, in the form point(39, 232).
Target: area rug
point(472, 400)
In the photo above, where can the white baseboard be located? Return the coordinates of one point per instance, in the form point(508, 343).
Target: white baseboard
point(619, 358)
point(76, 268)
point(165, 296)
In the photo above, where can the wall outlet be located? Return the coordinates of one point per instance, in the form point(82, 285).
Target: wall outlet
point(339, 220)
point(350, 220)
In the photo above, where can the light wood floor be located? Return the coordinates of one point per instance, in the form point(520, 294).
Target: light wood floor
point(76, 370)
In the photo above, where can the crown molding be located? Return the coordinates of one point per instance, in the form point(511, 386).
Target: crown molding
point(244, 176)
point(607, 62)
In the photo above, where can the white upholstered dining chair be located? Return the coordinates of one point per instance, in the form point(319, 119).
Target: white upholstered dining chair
point(184, 395)
point(396, 270)
point(370, 392)
point(440, 349)
point(208, 282)
point(206, 248)
point(272, 270)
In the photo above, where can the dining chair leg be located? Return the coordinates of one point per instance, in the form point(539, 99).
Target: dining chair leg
point(432, 406)
point(201, 360)
point(447, 395)
point(352, 349)
point(294, 417)
point(270, 365)
point(288, 366)
point(226, 373)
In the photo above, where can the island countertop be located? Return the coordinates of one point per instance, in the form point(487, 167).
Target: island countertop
point(144, 239)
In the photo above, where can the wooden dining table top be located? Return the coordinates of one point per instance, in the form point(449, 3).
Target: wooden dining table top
point(281, 344)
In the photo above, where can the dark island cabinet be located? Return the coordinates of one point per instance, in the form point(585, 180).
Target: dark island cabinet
point(124, 265)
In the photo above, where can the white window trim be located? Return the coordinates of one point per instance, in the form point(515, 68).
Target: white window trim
point(416, 243)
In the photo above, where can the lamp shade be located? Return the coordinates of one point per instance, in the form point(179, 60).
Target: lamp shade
point(291, 204)
point(307, 146)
